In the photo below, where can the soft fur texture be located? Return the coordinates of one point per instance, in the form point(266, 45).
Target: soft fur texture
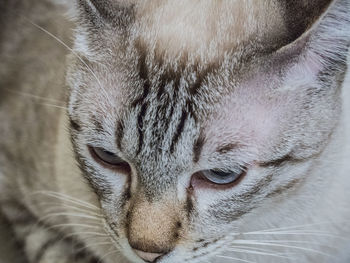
point(175, 88)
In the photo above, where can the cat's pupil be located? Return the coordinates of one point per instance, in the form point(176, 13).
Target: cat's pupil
point(221, 173)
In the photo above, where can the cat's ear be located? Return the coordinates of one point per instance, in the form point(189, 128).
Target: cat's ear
point(300, 16)
point(99, 13)
point(318, 31)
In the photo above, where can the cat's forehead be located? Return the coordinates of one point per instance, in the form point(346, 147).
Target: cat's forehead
point(206, 28)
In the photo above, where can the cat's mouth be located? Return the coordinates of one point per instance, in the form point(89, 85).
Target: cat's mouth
point(194, 252)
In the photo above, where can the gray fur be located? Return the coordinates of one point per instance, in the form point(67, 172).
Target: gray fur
point(270, 101)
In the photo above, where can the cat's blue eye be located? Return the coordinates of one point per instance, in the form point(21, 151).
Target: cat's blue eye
point(218, 176)
point(109, 159)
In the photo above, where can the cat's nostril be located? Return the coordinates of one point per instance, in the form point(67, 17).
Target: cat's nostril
point(147, 256)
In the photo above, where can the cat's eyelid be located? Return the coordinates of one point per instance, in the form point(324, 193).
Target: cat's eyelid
point(107, 147)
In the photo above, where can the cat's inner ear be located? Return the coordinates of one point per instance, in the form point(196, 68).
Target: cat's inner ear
point(317, 35)
point(111, 12)
point(301, 15)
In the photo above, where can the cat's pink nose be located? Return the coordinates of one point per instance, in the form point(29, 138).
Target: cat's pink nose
point(146, 256)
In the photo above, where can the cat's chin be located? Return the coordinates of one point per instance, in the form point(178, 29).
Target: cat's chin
point(130, 256)
point(179, 254)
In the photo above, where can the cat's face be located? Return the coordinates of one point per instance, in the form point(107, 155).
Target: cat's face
point(184, 149)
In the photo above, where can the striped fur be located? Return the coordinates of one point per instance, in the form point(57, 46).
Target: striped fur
point(174, 88)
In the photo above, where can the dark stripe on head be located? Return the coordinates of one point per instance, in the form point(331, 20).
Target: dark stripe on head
point(140, 120)
point(189, 107)
point(226, 148)
point(169, 76)
point(178, 131)
point(278, 162)
point(75, 125)
point(143, 74)
point(173, 105)
point(197, 147)
point(97, 124)
point(119, 134)
point(284, 188)
point(163, 107)
point(166, 101)
point(201, 78)
point(144, 95)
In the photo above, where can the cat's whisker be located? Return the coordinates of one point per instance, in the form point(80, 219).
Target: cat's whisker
point(296, 226)
point(93, 245)
point(108, 254)
point(51, 215)
point(236, 259)
point(74, 53)
point(261, 250)
point(25, 94)
point(52, 105)
point(94, 235)
point(295, 242)
point(56, 208)
point(254, 252)
point(316, 234)
point(74, 225)
point(67, 198)
point(66, 46)
point(256, 242)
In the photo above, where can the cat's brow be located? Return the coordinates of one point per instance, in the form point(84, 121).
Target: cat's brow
point(288, 158)
point(225, 148)
point(277, 162)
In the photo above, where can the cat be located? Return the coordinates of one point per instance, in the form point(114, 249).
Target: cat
point(194, 131)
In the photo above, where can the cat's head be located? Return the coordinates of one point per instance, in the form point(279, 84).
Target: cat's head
point(191, 118)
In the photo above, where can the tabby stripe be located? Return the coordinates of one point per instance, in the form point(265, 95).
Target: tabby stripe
point(189, 107)
point(144, 95)
point(97, 124)
point(168, 77)
point(280, 161)
point(119, 134)
point(143, 74)
point(168, 119)
point(178, 131)
point(140, 120)
point(201, 77)
point(283, 188)
point(47, 245)
point(75, 125)
point(197, 147)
